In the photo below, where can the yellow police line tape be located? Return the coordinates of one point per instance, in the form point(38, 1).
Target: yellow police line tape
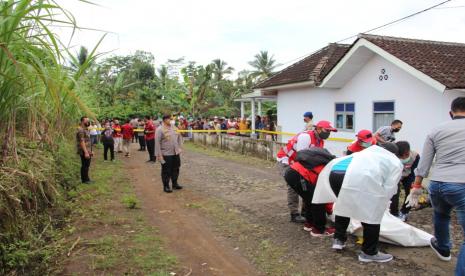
point(334, 139)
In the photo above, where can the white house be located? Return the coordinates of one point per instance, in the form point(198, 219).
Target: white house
point(368, 84)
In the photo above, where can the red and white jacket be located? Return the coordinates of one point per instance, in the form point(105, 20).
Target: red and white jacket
point(306, 139)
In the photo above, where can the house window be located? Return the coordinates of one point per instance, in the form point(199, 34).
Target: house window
point(383, 114)
point(345, 116)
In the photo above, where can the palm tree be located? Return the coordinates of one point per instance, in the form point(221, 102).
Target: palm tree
point(221, 69)
point(263, 64)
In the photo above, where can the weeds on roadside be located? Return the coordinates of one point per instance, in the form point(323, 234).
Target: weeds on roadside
point(130, 201)
point(34, 207)
point(128, 245)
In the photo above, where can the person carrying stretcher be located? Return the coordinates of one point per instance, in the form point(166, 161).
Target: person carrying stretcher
point(361, 185)
point(302, 177)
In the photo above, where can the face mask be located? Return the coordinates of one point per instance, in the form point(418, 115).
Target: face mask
point(405, 161)
point(365, 144)
point(87, 124)
point(172, 122)
point(324, 135)
point(396, 130)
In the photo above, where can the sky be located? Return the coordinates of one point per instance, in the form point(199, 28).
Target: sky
point(234, 31)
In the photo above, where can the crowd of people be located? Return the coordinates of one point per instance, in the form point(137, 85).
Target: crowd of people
point(360, 185)
point(233, 125)
point(159, 138)
point(367, 180)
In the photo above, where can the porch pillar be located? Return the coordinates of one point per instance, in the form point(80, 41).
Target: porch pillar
point(242, 110)
point(252, 105)
point(259, 104)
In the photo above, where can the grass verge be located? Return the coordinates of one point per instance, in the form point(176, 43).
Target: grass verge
point(108, 233)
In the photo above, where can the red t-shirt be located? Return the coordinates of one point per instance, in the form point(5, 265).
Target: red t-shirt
point(149, 126)
point(117, 131)
point(127, 131)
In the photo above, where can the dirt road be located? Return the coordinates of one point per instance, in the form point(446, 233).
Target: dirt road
point(256, 193)
point(185, 232)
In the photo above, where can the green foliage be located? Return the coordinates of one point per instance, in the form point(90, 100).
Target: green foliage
point(125, 86)
point(264, 65)
point(39, 105)
point(33, 206)
point(130, 201)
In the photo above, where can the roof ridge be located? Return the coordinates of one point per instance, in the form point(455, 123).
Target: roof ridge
point(322, 62)
point(333, 45)
point(291, 66)
point(362, 35)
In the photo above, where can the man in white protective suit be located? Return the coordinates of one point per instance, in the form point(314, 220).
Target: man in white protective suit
point(361, 185)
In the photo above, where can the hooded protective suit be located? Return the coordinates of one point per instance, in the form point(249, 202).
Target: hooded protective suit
point(369, 183)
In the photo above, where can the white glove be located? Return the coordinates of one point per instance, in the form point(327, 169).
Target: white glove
point(413, 197)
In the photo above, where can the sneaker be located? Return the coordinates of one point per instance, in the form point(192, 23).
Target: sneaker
point(444, 255)
point(379, 257)
point(338, 244)
point(308, 226)
point(296, 218)
point(327, 233)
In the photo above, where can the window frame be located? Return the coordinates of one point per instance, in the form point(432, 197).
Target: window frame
point(393, 112)
point(344, 116)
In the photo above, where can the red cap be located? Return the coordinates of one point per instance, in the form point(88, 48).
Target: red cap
point(365, 135)
point(326, 125)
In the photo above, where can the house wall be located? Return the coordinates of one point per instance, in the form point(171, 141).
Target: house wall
point(418, 105)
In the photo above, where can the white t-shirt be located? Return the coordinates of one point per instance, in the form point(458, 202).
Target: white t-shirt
point(93, 130)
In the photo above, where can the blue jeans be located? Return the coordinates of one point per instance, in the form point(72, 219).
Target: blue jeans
point(445, 197)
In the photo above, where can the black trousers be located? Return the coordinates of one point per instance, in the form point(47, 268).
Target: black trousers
point(151, 149)
point(370, 231)
point(394, 208)
point(314, 213)
point(108, 147)
point(170, 169)
point(142, 142)
point(85, 165)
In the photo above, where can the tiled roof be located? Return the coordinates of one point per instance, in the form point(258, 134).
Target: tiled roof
point(312, 68)
point(442, 61)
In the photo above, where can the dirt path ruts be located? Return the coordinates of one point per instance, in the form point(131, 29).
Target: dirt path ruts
point(259, 193)
point(186, 233)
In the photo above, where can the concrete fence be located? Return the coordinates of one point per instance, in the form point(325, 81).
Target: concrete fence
point(253, 147)
point(243, 145)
